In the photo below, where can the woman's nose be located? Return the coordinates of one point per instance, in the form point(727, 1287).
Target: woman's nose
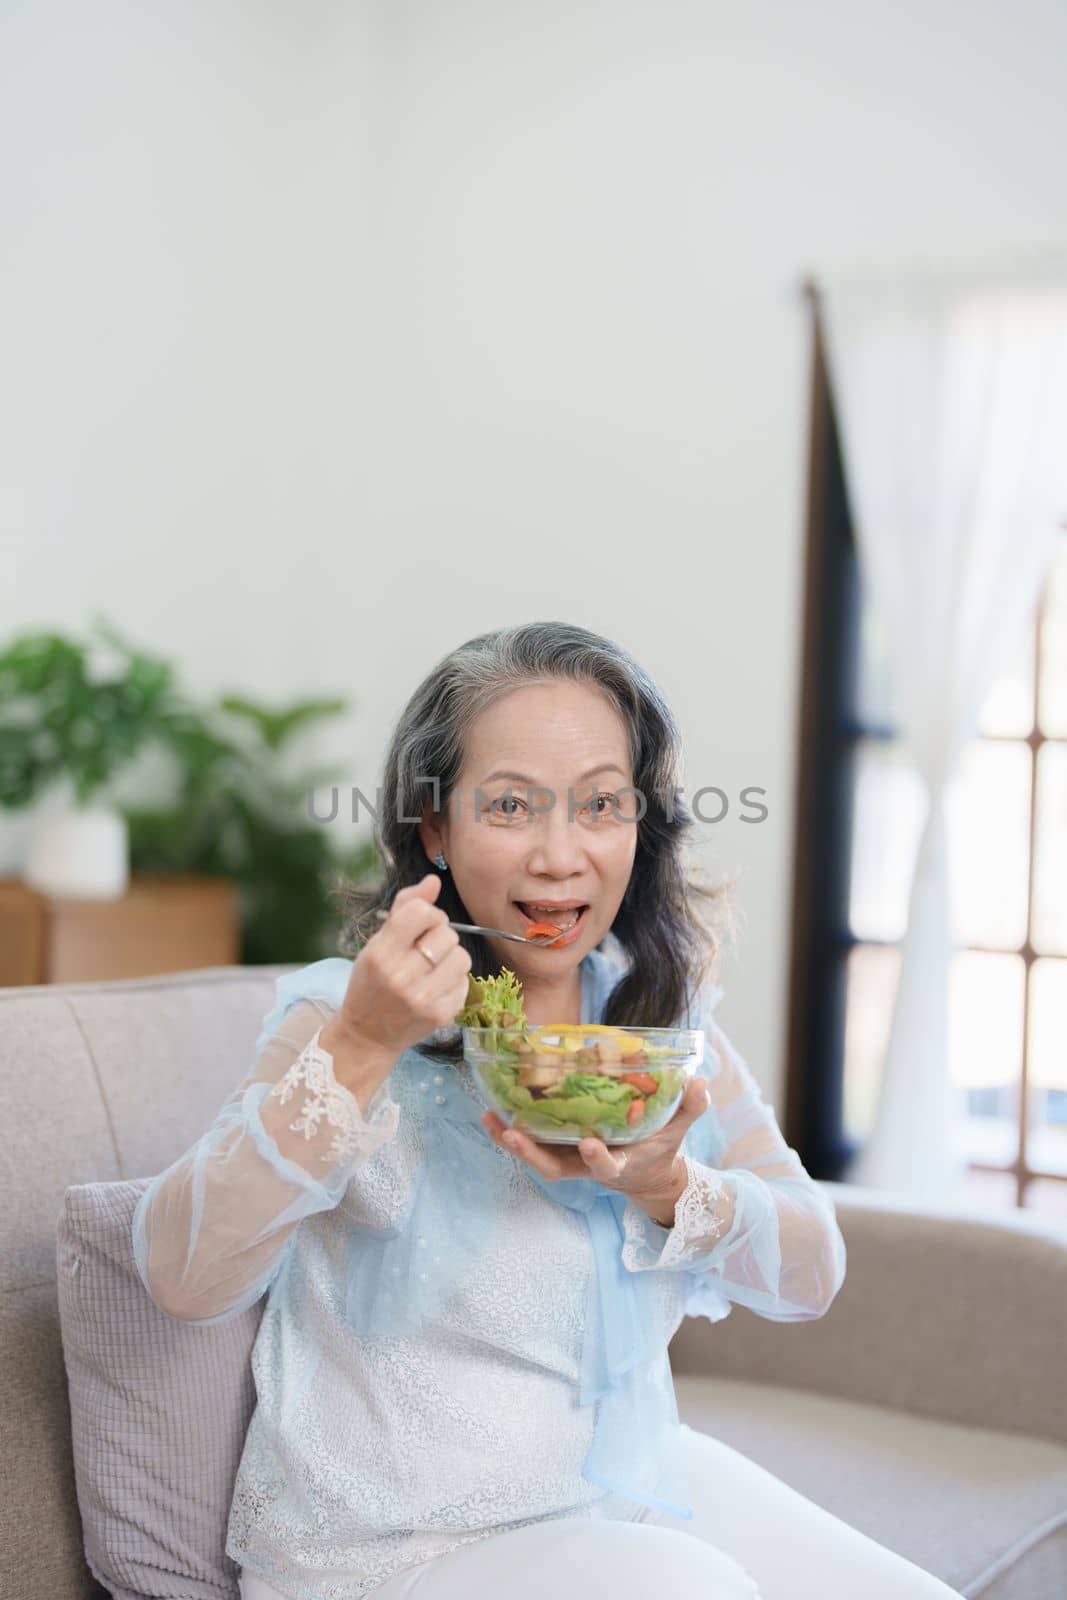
point(559, 846)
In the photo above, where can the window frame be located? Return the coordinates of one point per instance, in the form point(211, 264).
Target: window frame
point(828, 732)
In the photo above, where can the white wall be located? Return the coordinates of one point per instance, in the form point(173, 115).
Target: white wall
point(183, 287)
point(342, 333)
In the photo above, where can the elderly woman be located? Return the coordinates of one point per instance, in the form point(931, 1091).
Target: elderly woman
point(461, 1368)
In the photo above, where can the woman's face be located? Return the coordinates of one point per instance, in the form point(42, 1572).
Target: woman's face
point(531, 822)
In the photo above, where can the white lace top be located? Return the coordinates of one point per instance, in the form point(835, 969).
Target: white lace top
point(365, 1455)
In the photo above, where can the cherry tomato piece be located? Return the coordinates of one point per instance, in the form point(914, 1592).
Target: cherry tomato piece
point(641, 1080)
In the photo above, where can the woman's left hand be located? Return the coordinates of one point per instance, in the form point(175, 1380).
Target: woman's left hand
point(651, 1172)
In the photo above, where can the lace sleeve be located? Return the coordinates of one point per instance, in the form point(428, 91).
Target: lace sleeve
point(359, 1134)
point(210, 1233)
point(750, 1222)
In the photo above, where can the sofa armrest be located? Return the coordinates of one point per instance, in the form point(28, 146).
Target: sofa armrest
point(945, 1312)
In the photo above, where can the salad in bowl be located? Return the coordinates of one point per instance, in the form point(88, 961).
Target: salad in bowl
point(561, 1082)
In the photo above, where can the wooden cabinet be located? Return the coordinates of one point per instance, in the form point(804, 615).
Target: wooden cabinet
point(162, 923)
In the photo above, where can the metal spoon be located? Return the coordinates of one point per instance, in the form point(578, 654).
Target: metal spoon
point(498, 933)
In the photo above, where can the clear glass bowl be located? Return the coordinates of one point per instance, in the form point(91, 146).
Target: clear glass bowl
point(561, 1084)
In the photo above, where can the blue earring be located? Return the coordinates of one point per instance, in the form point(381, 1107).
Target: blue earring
point(439, 861)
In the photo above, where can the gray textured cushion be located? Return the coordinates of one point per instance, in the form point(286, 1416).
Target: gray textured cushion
point(159, 1411)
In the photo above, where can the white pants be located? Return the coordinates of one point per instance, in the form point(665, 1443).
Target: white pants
point(752, 1537)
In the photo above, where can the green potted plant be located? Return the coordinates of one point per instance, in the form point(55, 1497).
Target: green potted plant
point(241, 814)
point(240, 811)
point(68, 727)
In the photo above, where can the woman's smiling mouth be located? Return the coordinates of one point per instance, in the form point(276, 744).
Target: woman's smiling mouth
point(570, 920)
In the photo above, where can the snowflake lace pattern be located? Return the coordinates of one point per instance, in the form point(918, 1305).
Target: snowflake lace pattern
point(357, 1133)
point(699, 1223)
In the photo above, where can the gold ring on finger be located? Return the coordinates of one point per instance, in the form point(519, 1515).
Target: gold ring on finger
point(432, 959)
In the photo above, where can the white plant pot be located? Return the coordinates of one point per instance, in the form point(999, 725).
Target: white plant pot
point(84, 852)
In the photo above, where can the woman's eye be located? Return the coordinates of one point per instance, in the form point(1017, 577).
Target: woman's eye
point(498, 806)
point(508, 806)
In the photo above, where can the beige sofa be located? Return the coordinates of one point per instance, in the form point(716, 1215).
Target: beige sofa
point(928, 1408)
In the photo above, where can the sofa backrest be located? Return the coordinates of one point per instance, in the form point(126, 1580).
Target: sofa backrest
point(944, 1312)
point(101, 1081)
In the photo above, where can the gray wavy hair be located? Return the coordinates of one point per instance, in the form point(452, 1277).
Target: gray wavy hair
point(671, 920)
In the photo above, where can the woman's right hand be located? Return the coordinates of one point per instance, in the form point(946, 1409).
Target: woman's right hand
point(394, 996)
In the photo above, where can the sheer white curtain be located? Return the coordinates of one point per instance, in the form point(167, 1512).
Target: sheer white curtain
point(951, 402)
